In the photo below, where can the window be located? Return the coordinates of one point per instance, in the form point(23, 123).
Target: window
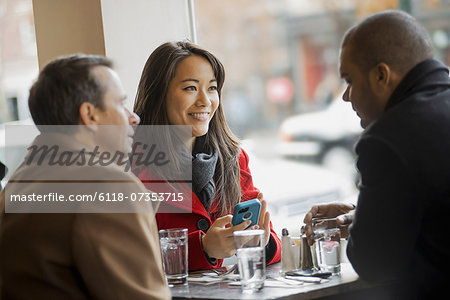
point(18, 58)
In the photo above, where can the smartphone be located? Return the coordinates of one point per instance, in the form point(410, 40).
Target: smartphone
point(247, 210)
point(309, 273)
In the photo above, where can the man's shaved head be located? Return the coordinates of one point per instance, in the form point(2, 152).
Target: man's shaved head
point(391, 37)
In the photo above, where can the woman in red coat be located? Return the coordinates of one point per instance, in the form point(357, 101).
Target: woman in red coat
point(181, 85)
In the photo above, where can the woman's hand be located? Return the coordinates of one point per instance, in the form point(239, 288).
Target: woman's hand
point(264, 218)
point(218, 241)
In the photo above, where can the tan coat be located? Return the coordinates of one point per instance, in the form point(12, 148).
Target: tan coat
point(79, 255)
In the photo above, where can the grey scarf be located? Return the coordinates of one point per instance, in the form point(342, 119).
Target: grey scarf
point(203, 166)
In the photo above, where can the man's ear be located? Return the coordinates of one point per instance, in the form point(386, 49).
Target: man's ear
point(384, 80)
point(88, 114)
point(380, 76)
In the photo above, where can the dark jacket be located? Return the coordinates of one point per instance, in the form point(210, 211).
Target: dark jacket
point(400, 231)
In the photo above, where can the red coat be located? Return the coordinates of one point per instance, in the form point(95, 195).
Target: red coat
point(199, 221)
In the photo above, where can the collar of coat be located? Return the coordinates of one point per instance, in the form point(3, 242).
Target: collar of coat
point(426, 74)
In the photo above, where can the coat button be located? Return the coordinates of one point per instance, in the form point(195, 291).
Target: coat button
point(203, 224)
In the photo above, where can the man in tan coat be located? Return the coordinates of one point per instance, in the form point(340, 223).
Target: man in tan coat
point(65, 251)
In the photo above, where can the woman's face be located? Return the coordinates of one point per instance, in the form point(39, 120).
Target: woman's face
point(192, 98)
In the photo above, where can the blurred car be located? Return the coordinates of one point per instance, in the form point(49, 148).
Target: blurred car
point(291, 188)
point(326, 137)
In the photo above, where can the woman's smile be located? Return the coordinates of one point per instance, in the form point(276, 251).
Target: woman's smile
point(200, 116)
point(192, 97)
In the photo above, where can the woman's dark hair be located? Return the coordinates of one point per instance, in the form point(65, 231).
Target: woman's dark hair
point(62, 86)
point(150, 105)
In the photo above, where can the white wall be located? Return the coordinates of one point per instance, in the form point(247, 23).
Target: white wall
point(134, 28)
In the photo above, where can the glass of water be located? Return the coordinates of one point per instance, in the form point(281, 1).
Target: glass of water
point(250, 250)
point(327, 237)
point(174, 250)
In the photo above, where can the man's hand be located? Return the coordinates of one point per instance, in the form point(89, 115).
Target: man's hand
point(343, 212)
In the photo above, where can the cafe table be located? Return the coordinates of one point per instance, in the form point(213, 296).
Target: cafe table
point(346, 282)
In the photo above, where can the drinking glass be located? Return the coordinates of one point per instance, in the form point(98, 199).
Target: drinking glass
point(174, 250)
point(327, 237)
point(250, 250)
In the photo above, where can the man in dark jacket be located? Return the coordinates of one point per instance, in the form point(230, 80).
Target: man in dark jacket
point(402, 96)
